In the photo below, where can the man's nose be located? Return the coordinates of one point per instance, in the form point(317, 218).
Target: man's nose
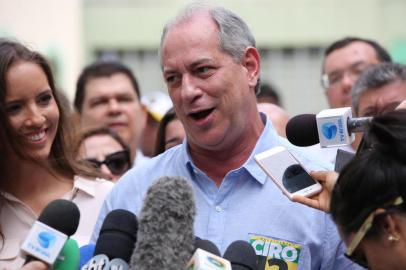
point(190, 88)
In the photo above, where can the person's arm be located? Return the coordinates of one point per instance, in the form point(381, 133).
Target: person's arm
point(320, 201)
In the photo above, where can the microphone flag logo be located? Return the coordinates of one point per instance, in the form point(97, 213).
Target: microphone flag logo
point(329, 130)
point(46, 239)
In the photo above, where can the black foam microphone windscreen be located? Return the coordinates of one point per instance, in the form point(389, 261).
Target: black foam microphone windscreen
point(301, 130)
point(62, 215)
point(207, 246)
point(165, 234)
point(241, 255)
point(118, 235)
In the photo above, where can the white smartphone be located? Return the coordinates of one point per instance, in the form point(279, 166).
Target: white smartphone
point(287, 173)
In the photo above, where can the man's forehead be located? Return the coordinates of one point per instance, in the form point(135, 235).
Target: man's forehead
point(117, 83)
point(382, 96)
point(356, 51)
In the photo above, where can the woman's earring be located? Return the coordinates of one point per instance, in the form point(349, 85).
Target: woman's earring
point(393, 238)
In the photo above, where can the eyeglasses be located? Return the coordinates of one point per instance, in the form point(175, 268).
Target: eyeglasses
point(117, 162)
point(362, 231)
point(333, 79)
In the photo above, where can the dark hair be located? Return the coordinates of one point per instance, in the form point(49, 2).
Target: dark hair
point(169, 116)
point(381, 54)
point(103, 131)
point(97, 70)
point(376, 176)
point(61, 158)
point(268, 93)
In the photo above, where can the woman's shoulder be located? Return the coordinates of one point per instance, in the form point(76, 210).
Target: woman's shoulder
point(98, 185)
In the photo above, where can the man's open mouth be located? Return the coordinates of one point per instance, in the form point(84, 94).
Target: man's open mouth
point(201, 114)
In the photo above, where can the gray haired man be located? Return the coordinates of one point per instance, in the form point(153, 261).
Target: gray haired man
point(380, 89)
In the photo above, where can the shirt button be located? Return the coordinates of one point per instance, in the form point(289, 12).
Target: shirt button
point(218, 208)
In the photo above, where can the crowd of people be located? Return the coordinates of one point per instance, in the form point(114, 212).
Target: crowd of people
point(106, 153)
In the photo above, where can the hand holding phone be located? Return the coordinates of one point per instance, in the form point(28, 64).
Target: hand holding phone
point(287, 173)
point(320, 201)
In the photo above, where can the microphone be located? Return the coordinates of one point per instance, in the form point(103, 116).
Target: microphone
point(241, 255)
point(330, 128)
point(165, 234)
point(68, 259)
point(47, 236)
point(86, 253)
point(204, 260)
point(206, 245)
point(116, 241)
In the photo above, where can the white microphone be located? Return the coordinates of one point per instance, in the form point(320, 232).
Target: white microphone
point(336, 127)
point(330, 128)
point(204, 260)
point(47, 236)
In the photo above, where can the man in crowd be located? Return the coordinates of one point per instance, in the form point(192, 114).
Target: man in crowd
point(211, 68)
point(107, 94)
point(344, 61)
point(380, 89)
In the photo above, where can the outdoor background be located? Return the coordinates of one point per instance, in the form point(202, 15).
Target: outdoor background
point(291, 36)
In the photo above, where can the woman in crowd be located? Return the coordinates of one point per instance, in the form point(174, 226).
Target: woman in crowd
point(368, 198)
point(37, 166)
point(170, 132)
point(103, 149)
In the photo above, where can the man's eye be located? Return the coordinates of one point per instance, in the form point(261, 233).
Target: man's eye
point(125, 99)
point(171, 79)
point(203, 69)
point(98, 102)
point(334, 78)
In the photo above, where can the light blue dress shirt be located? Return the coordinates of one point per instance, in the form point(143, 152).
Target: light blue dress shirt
point(247, 206)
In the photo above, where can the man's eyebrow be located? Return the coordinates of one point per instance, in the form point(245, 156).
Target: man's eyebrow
point(191, 66)
point(201, 61)
point(356, 64)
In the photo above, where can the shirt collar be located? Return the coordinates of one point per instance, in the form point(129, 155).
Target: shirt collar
point(268, 139)
point(85, 185)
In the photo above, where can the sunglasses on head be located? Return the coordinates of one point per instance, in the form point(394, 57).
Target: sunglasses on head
point(117, 162)
point(359, 258)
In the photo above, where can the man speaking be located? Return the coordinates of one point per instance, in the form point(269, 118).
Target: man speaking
point(211, 68)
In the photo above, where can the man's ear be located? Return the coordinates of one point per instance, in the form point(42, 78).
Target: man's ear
point(251, 62)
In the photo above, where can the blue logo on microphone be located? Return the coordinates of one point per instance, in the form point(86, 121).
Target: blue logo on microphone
point(46, 239)
point(329, 130)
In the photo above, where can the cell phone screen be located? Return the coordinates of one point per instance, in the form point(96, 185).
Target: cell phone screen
point(285, 169)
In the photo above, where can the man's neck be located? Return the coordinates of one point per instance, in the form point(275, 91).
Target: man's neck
point(217, 163)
